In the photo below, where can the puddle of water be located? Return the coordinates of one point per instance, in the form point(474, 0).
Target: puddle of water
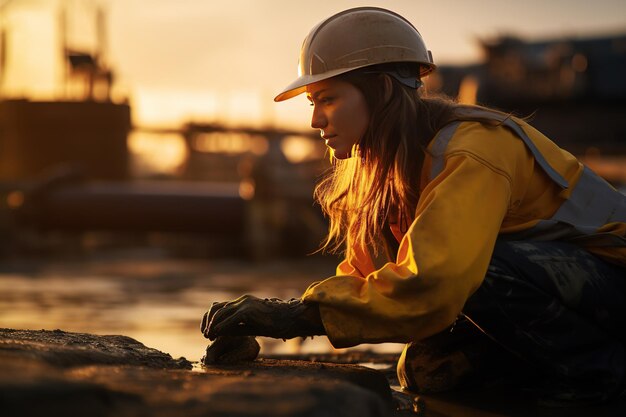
point(377, 366)
point(159, 302)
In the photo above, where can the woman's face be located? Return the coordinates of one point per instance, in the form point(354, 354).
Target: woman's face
point(341, 114)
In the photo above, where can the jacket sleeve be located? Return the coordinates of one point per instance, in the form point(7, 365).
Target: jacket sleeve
point(441, 261)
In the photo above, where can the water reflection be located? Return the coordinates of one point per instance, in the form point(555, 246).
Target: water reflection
point(156, 300)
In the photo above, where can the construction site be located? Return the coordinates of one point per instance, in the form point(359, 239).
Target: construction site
point(97, 240)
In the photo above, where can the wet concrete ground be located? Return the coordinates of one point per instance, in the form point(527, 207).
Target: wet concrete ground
point(55, 373)
point(159, 301)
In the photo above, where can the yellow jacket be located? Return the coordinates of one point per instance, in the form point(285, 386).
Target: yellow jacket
point(489, 185)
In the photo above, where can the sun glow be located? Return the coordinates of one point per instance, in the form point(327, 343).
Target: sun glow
point(157, 153)
point(299, 149)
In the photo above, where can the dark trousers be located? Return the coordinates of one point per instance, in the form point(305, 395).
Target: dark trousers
point(554, 308)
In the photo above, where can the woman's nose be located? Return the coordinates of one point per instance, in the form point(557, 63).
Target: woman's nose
point(318, 120)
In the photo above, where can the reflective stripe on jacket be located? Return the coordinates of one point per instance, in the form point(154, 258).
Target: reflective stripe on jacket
point(480, 182)
point(592, 203)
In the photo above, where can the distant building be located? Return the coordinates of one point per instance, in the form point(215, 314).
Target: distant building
point(575, 88)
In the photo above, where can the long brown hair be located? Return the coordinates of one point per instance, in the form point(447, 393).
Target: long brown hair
point(359, 193)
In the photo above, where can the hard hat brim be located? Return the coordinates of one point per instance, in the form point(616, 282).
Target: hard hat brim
point(299, 85)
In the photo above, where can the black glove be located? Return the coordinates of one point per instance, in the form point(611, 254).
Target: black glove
point(272, 317)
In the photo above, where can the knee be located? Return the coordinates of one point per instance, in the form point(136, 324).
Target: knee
point(423, 368)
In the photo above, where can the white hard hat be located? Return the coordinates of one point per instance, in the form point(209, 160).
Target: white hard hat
point(358, 38)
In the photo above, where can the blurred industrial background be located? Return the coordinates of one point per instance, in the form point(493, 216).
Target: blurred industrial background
point(138, 139)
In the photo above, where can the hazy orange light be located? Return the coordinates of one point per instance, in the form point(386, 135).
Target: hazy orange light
point(32, 54)
point(161, 153)
point(468, 90)
point(15, 199)
point(246, 189)
point(229, 143)
point(299, 149)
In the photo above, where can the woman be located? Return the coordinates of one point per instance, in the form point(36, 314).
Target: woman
point(456, 222)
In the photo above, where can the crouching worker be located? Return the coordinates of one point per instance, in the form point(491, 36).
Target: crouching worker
point(467, 233)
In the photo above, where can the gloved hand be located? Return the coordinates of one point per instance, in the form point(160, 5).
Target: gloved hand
point(272, 317)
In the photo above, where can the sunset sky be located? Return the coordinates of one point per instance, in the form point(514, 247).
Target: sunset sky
point(208, 60)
